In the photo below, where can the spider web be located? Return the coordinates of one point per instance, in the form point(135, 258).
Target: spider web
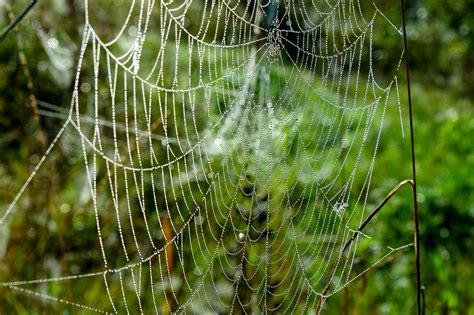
point(221, 141)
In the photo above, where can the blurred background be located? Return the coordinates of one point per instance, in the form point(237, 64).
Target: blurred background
point(37, 64)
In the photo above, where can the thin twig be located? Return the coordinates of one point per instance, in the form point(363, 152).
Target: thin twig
point(17, 20)
point(376, 210)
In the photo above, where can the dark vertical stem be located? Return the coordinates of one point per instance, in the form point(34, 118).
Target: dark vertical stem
point(413, 165)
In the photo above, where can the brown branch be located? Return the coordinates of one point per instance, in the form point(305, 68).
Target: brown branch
point(376, 210)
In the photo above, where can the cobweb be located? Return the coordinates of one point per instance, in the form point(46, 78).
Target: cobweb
point(221, 141)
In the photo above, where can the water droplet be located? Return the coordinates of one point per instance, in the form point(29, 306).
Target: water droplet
point(65, 208)
point(53, 43)
point(85, 87)
point(199, 220)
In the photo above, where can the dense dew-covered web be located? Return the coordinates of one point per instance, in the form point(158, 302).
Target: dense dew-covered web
point(223, 139)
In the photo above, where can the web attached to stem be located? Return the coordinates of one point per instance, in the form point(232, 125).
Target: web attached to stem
point(221, 141)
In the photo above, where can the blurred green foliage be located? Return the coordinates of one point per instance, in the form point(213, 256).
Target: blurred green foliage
point(441, 36)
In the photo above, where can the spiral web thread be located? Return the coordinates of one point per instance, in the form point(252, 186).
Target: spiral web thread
point(226, 153)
